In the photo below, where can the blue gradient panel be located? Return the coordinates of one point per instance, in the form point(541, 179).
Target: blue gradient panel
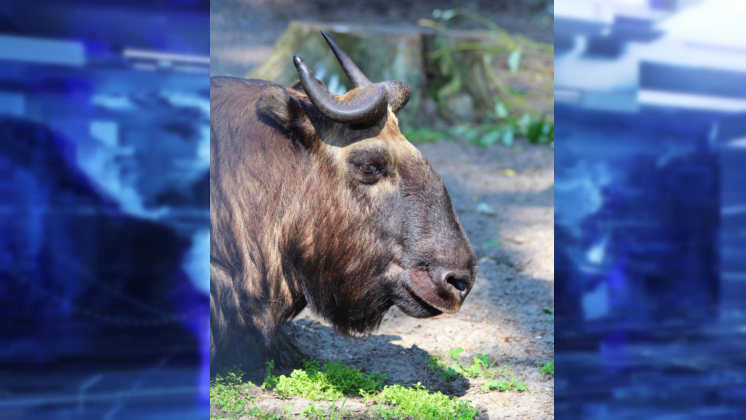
point(650, 218)
point(104, 196)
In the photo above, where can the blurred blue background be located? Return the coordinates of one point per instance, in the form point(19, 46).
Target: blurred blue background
point(104, 196)
point(650, 220)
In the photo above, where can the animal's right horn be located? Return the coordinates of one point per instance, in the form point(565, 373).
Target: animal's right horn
point(367, 106)
point(353, 73)
point(398, 92)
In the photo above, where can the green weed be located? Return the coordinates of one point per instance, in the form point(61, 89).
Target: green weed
point(401, 402)
point(448, 373)
point(546, 368)
point(329, 382)
point(226, 393)
point(332, 381)
point(424, 135)
point(499, 379)
point(506, 129)
point(506, 383)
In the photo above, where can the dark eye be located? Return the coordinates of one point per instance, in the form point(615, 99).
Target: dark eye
point(367, 169)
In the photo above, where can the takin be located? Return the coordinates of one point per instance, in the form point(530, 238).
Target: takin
point(318, 199)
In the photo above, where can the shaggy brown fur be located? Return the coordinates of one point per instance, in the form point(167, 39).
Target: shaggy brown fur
point(296, 221)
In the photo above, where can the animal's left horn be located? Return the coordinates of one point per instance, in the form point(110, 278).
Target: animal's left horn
point(367, 106)
point(399, 94)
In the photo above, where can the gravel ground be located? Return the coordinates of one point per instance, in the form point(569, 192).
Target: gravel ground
point(503, 315)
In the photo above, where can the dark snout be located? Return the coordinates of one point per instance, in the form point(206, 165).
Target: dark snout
point(441, 261)
point(441, 287)
point(452, 283)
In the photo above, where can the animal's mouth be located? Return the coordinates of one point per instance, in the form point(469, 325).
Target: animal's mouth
point(421, 297)
point(412, 297)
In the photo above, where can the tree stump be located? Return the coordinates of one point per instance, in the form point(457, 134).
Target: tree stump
point(381, 53)
point(465, 73)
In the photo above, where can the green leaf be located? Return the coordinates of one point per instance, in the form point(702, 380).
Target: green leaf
point(455, 352)
point(491, 242)
point(489, 139)
point(507, 137)
point(520, 386)
point(471, 135)
point(448, 14)
point(524, 122)
point(514, 60)
point(484, 358)
point(548, 310)
point(500, 110)
point(459, 130)
point(449, 89)
point(547, 369)
point(423, 135)
point(534, 132)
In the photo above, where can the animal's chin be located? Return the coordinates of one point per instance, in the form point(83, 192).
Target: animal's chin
point(415, 306)
point(420, 297)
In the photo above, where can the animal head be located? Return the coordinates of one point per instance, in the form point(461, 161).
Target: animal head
point(375, 226)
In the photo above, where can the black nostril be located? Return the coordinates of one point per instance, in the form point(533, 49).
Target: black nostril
point(458, 282)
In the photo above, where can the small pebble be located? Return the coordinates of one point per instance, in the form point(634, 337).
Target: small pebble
point(519, 239)
point(486, 209)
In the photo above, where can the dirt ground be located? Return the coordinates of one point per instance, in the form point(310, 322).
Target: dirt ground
point(503, 315)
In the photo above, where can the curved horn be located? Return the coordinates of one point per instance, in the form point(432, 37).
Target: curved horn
point(353, 73)
point(399, 94)
point(367, 106)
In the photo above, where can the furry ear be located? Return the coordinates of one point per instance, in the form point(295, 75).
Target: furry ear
point(277, 103)
point(298, 86)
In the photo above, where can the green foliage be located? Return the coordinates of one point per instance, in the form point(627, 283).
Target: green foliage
point(479, 367)
point(331, 381)
point(546, 368)
point(548, 310)
point(505, 129)
point(499, 379)
point(514, 60)
point(313, 412)
point(418, 403)
point(503, 380)
point(270, 381)
point(328, 383)
point(332, 415)
point(317, 412)
point(226, 392)
point(424, 135)
point(491, 242)
point(448, 373)
point(496, 42)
